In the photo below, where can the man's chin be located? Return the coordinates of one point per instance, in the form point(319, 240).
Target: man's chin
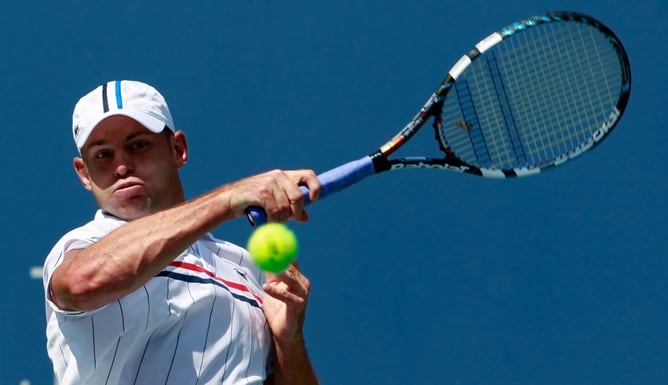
point(130, 213)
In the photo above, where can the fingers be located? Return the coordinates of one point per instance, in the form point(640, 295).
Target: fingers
point(287, 200)
point(278, 192)
point(290, 286)
point(309, 179)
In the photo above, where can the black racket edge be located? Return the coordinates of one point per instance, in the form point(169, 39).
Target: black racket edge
point(433, 108)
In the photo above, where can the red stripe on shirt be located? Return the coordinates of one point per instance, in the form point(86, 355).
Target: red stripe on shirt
point(199, 269)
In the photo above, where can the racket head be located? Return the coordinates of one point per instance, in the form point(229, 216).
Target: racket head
point(531, 96)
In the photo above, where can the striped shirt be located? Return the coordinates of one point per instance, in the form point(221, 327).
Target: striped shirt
point(199, 321)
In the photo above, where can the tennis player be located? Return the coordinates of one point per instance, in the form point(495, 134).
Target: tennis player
point(143, 293)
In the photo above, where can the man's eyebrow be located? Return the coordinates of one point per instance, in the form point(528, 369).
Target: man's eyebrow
point(135, 135)
point(98, 142)
point(129, 137)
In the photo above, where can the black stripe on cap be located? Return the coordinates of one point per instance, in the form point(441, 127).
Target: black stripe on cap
point(105, 103)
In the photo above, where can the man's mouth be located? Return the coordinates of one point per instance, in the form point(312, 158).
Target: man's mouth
point(129, 189)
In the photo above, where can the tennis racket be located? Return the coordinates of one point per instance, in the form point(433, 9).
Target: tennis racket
point(527, 98)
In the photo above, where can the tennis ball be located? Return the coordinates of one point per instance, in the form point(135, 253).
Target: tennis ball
point(273, 247)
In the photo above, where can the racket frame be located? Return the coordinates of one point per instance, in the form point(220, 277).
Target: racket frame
point(355, 171)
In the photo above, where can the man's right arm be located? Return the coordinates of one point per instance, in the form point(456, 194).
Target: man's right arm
point(129, 256)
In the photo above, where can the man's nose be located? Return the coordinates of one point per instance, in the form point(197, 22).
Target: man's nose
point(123, 166)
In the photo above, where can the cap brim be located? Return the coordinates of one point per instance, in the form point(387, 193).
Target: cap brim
point(152, 123)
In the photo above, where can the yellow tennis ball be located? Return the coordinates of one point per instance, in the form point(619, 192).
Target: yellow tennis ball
point(273, 247)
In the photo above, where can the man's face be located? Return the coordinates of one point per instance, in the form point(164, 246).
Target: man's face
point(131, 171)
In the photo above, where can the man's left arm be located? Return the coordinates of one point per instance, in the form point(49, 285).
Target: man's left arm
point(285, 309)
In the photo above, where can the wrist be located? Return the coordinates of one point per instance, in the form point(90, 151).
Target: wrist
point(217, 204)
point(294, 345)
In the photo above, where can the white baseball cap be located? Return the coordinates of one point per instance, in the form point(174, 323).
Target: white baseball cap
point(133, 99)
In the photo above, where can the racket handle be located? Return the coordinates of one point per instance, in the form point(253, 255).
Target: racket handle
point(331, 181)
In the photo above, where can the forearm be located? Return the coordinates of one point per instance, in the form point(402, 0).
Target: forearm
point(128, 257)
point(292, 365)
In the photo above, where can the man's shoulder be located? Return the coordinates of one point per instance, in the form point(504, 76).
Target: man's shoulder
point(88, 233)
point(101, 225)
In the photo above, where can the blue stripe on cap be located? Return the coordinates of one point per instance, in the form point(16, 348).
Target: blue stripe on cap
point(119, 98)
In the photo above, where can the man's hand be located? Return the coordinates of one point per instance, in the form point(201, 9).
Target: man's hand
point(277, 192)
point(284, 307)
point(285, 303)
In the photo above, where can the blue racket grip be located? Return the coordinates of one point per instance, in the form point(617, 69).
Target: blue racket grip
point(331, 181)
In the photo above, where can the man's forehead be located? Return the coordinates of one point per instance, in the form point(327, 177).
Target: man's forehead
point(116, 127)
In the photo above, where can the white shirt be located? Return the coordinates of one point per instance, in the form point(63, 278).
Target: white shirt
point(199, 321)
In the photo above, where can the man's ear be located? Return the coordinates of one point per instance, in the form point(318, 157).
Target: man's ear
point(180, 148)
point(82, 172)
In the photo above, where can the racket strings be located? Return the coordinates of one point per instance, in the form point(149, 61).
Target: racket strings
point(532, 98)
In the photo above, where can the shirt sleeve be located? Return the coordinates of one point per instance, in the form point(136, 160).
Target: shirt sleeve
point(79, 238)
point(55, 259)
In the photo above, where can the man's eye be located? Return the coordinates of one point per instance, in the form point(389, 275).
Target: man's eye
point(139, 145)
point(102, 154)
